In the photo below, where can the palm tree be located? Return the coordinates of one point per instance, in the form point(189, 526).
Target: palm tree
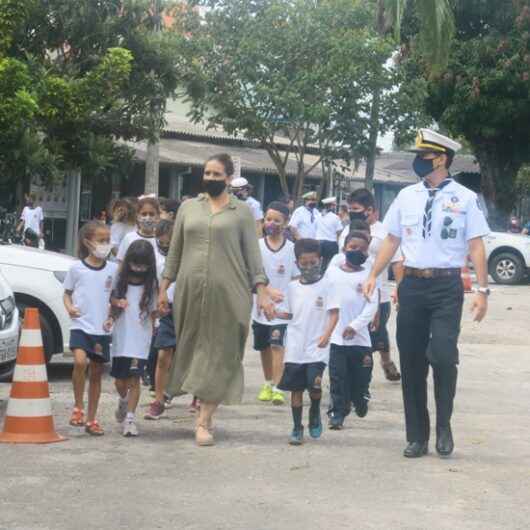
point(436, 33)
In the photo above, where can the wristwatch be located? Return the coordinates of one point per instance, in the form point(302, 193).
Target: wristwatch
point(484, 290)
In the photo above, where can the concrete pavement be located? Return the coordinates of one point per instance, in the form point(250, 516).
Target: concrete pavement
point(252, 479)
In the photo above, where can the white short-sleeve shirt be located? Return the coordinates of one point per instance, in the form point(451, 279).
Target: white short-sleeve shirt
point(91, 288)
point(309, 305)
point(132, 332)
point(328, 226)
point(280, 268)
point(32, 218)
point(118, 231)
point(135, 236)
point(305, 221)
point(457, 217)
point(255, 208)
point(354, 310)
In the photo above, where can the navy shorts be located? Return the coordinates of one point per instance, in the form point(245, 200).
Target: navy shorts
point(165, 338)
point(300, 377)
point(265, 336)
point(96, 347)
point(125, 367)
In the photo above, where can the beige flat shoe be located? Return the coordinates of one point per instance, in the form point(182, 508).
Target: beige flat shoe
point(203, 437)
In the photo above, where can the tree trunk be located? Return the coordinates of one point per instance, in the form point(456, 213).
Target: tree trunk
point(152, 167)
point(372, 140)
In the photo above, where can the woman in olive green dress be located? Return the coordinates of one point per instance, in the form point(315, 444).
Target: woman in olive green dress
point(214, 259)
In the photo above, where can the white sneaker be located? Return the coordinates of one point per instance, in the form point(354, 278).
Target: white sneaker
point(129, 428)
point(121, 411)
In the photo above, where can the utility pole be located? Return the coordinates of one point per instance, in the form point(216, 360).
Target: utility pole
point(152, 158)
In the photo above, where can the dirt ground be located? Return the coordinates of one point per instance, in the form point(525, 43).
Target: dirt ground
point(355, 478)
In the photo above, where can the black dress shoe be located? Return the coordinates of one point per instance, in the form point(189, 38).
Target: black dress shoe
point(416, 449)
point(444, 441)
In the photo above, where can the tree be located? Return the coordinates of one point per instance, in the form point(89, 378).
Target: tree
point(484, 93)
point(288, 73)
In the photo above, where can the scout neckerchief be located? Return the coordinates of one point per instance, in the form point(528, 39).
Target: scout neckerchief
point(427, 216)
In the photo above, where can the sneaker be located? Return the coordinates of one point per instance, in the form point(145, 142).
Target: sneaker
point(297, 437)
point(278, 398)
point(315, 425)
point(129, 428)
point(156, 411)
point(168, 402)
point(265, 393)
point(121, 411)
point(335, 422)
point(361, 407)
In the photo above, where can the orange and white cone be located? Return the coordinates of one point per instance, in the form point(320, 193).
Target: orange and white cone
point(467, 280)
point(29, 413)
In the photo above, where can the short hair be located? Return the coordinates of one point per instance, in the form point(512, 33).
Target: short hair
point(356, 234)
point(363, 197)
point(169, 205)
point(87, 232)
point(306, 246)
point(153, 201)
point(360, 225)
point(278, 206)
point(450, 157)
point(164, 227)
point(226, 160)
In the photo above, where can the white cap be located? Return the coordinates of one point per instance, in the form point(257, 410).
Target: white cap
point(329, 200)
point(429, 141)
point(310, 195)
point(239, 182)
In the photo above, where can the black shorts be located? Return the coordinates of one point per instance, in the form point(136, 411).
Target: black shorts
point(125, 367)
point(165, 338)
point(265, 336)
point(379, 337)
point(96, 347)
point(300, 377)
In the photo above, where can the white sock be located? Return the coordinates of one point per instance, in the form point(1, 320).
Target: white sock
point(275, 388)
point(270, 383)
point(130, 416)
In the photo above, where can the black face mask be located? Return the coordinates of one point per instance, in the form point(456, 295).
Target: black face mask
point(213, 188)
point(355, 257)
point(423, 167)
point(162, 249)
point(357, 216)
point(138, 274)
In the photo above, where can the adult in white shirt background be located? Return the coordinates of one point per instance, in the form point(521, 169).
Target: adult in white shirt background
point(329, 228)
point(32, 218)
point(241, 189)
point(303, 222)
point(362, 206)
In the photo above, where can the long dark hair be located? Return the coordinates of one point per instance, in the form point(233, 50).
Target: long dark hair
point(140, 252)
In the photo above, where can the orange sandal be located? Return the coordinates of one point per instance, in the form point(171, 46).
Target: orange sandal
point(94, 428)
point(77, 419)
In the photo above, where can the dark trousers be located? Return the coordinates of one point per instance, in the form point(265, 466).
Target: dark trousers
point(328, 249)
point(428, 325)
point(350, 373)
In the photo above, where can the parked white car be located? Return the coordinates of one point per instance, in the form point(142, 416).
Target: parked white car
point(36, 277)
point(9, 329)
point(508, 257)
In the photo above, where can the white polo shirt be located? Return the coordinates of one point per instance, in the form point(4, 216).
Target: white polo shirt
point(328, 225)
point(32, 218)
point(457, 217)
point(305, 221)
point(255, 208)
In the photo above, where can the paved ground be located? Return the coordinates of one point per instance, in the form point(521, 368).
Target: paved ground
point(252, 479)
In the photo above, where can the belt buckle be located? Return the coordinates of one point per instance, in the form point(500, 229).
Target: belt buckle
point(428, 273)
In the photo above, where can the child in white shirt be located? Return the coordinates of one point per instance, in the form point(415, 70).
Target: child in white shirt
point(312, 310)
point(279, 262)
point(88, 286)
point(123, 222)
point(133, 311)
point(350, 364)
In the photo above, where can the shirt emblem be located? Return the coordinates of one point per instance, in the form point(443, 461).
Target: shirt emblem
point(108, 283)
point(281, 269)
point(320, 302)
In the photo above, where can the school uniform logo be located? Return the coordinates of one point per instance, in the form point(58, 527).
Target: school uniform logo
point(275, 334)
point(134, 364)
point(359, 288)
point(281, 269)
point(108, 283)
point(320, 302)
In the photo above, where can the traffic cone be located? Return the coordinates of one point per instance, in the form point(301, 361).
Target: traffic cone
point(29, 414)
point(467, 280)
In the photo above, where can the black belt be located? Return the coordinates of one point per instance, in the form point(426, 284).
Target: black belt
point(432, 273)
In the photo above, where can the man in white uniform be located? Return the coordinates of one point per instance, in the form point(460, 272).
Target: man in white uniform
point(438, 223)
point(329, 228)
point(303, 222)
point(32, 218)
point(241, 189)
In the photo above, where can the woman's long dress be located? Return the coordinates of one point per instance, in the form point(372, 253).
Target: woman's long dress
point(216, 263)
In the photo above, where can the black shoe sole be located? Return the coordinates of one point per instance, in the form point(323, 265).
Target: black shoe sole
point(424, 452)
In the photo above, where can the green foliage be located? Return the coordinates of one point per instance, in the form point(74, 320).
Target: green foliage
point(291, 68)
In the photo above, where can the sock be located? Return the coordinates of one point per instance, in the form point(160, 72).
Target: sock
point(270, 383)
point(130, 416)
point(297, 417)
point(314, 410)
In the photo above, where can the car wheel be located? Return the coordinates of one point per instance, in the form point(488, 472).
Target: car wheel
point(46, 328)
point(507, 268)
